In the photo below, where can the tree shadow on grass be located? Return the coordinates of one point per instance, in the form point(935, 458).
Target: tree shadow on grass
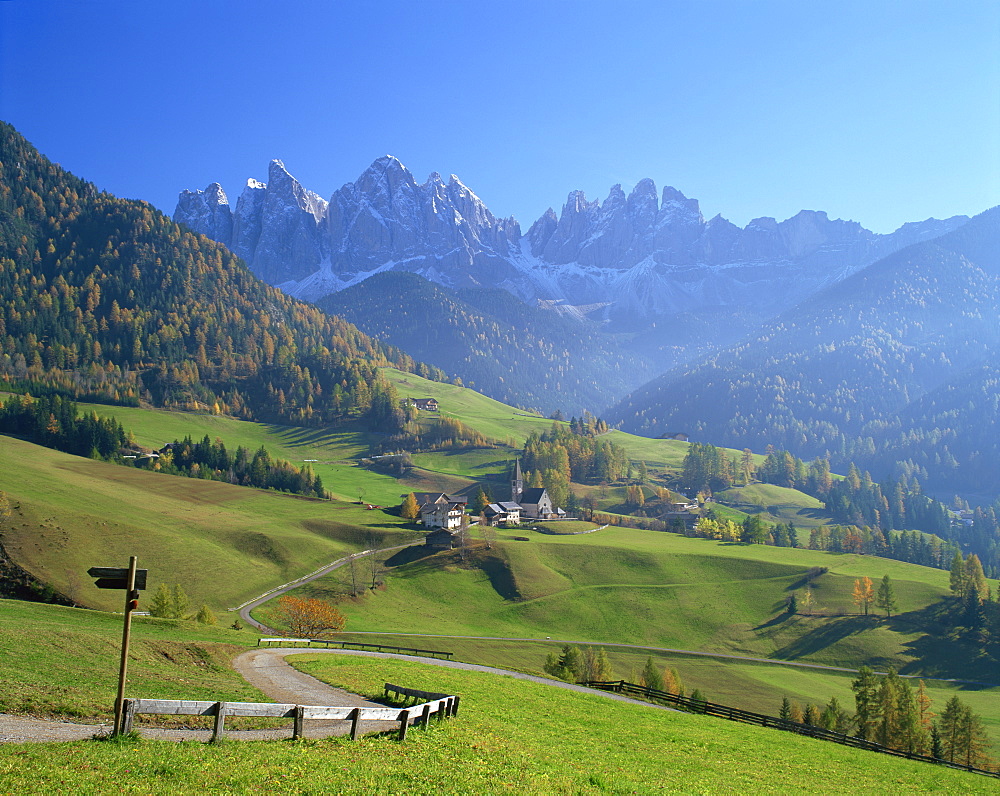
point(501, 576)
point(819, 638)
point(408, 555)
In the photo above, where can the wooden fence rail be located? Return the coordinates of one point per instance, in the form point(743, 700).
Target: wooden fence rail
point(736, 714)
point(354, 645)
point(443, 706)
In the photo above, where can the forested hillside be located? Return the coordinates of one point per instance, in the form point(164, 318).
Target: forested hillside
point(894, 369)
point(106, 299)
point(512, 352)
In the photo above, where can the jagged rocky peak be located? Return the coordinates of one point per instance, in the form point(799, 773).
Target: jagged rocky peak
point(643, 251)
point(541, 231)
point(285, 190)
point(207, 212)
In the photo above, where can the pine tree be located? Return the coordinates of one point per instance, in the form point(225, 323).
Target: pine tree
point(785, 712)
point(179, 602)
point(958, 579)
point(162, 604)
point(975, 579)
point(205, 616)
point(886, 599)
point(651, 677)
point(924, 716)
point(603, 669)
point(866, 704)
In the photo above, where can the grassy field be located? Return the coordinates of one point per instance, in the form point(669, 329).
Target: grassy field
point(64, 661)
point(224, 544)
point(628, 586)
point(585, 744)
point(756, 686)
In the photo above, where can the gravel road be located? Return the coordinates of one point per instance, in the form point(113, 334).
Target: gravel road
point(267, 670)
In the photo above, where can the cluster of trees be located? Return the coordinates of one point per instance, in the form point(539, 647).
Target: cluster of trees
point(911, 546)
point(753, 530)
point(108, 300)
point(588, 425)
point(172, 603)
point(559, 456)
point(888, 711)
point(54, 421)
point(884, 519)
point(309, 617)
point(864, 595)
point(211, 461)
point(975, 616)
point(433, 433)
point(578, 665)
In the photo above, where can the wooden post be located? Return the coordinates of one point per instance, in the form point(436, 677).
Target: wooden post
point(128, 713)
point(300, 717)
point(454, 707)
point(442, 709)
point(220, 721)
point(425, 718)
point(126, 631)
point(355, 723)
point(404, 722)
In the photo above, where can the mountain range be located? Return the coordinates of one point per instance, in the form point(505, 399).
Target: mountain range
point(630, 260)
point(894, 368)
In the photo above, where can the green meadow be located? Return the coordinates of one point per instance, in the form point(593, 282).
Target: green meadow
point(509, 737)
point(223, 544)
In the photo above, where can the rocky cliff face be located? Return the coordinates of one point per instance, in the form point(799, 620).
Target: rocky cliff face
point(632, 257)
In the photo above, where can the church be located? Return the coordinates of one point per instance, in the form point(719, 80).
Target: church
point(535, 502)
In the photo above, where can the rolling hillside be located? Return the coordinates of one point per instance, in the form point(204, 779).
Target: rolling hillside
point(890, 369)
point(223, 544)
point(518, 354)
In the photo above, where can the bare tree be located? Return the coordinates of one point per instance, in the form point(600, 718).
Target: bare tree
point(375, 562)
point(354, 578)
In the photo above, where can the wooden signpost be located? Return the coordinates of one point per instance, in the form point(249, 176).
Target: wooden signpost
point(131, 580)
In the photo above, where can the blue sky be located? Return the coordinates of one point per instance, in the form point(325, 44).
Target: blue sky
point(881, 112)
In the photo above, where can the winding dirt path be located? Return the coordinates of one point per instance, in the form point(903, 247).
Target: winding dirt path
point(267, 670)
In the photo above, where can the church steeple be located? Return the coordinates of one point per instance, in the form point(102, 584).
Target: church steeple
point(517, 483)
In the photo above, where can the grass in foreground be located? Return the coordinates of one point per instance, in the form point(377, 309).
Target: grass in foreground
point(57, 661)
point(510, 737)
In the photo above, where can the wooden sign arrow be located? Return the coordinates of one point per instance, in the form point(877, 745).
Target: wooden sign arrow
point(116, 577)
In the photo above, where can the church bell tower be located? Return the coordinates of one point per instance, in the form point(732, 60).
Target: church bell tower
point(517, 483)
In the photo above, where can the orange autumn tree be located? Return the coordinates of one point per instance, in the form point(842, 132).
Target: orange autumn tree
point(863, 594)
point(311, 618)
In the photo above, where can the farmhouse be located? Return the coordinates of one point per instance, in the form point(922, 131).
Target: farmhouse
point(439, 510)
point(506, 513)
point(425, 404)
point(441, 539)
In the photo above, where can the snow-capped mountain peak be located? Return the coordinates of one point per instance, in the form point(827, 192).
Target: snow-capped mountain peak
point(639, 253)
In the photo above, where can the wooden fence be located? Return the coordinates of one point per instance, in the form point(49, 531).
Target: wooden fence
point(439, 705)
point(354, 645)
point(736, 714)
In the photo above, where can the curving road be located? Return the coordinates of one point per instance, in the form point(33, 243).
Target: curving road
point(249, 605)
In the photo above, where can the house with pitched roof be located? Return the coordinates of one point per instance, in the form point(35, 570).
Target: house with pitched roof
point(506, 513)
